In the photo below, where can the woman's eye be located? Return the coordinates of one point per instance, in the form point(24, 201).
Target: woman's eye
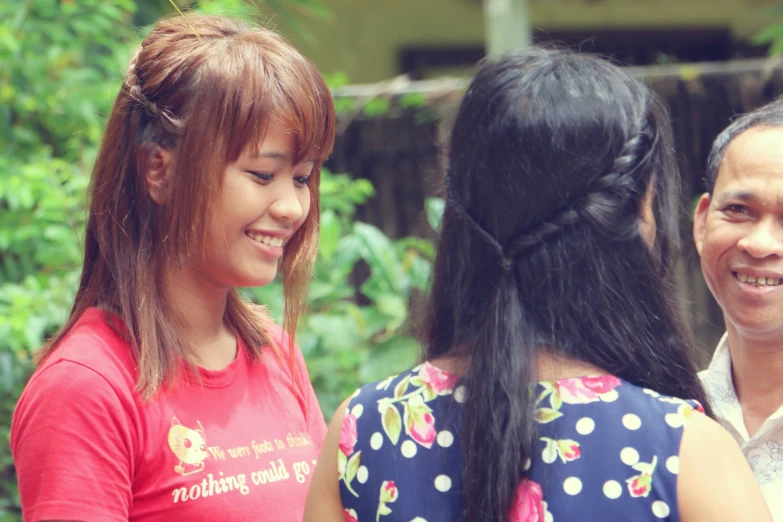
point(302, 180)
point(263, 176)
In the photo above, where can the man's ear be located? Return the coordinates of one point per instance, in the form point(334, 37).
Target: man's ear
point(700, 221)
point(157, 175)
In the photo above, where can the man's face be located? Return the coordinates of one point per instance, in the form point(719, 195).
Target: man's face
point(739, 234)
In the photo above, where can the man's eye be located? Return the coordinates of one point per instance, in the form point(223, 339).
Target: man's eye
point(735, 209)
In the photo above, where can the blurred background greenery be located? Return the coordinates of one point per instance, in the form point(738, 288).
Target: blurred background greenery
point(61, 65)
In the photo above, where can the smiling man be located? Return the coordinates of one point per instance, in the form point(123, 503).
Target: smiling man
point(738, 229)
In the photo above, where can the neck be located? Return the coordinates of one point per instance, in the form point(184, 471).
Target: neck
point(757, 368)
point(550, 366)
point(201, 304)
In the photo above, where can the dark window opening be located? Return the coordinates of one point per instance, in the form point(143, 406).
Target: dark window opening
point(626, 46)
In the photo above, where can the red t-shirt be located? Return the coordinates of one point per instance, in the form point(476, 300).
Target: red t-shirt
point(239, 445)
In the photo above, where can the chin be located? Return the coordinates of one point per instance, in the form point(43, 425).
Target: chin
point(752, 328)
point(259, 280)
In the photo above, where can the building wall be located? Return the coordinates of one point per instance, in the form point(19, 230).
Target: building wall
point(365, 35)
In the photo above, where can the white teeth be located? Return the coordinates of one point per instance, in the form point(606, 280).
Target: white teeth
point(267, 240)
point(766, 281)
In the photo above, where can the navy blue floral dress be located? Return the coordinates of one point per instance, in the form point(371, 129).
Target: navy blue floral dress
point(608, 451)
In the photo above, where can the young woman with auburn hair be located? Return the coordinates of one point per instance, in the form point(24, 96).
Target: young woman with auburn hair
point(166, 396)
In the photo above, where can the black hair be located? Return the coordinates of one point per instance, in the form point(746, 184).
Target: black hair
point(551, 157)
point(769, 115)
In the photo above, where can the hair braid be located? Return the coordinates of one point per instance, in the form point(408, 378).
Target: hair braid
point(133, 83)
point(603, 197)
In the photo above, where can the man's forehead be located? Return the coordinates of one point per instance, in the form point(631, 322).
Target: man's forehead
point(753, 159)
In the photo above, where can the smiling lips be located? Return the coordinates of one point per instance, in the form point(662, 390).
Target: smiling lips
point(758, 281)
point(266, 239)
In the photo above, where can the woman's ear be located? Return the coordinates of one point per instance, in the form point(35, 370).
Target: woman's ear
point(647, 225)
point(156, 176)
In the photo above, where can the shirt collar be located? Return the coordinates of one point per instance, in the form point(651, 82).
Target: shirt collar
point(719, 386)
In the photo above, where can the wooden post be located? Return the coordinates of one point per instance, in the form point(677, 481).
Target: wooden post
point(506, 25)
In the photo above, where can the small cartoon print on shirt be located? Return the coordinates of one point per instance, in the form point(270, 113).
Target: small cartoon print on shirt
point(189, 446)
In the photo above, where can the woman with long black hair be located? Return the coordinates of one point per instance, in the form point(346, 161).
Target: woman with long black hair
point(557, 368)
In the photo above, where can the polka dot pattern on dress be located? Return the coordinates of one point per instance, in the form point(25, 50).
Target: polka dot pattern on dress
point(629, 456)
point(675, 420)
point(613, 489)
point(409, 449)
point(445, 439)
point(599, 436)
point(572, 485)
point(442, 483)
point(376, 441)
point(660, 509)
point(585, 426)
point(673, 464)
point(362, 474)
point(632, 421)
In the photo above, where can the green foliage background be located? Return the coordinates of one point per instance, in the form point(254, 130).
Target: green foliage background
point(61, 65)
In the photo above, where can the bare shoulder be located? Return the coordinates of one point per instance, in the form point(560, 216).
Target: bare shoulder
point(323, 498)
point(715, 482)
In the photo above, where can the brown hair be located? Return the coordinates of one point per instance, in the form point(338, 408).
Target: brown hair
point(206, 87)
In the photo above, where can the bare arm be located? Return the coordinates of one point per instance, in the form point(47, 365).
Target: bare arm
point(323, 497)
point(715, 482)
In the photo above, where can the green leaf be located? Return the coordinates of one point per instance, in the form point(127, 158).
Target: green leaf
point(549, 454)
point(379, 253)
point(548, 389)
point(417, 245)
point(329, 236)
point(392, 423)
point(434, 208)
point(402, 387)
point(383, 509)
point(393, 356)
point(556, 400)
point(413, 100)
point(768, 34)
point(336, 79)
point(313, 9)
point(352, 466)
point(392, 306)
point(376, 107)
point(342, 461)
point(546, 415)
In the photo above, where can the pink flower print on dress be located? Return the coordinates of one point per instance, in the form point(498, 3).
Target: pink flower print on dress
point(640, 485)
point(388, 491)
point(419, 422)
point(350, 515)
point(529, 505)
point(440, 382)
point(568, 450)
point(585, 389)
point(388, 495)
point(348, 434)
point(602, 384)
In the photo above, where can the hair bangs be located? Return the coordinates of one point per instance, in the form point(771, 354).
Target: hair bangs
point(272, 87)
